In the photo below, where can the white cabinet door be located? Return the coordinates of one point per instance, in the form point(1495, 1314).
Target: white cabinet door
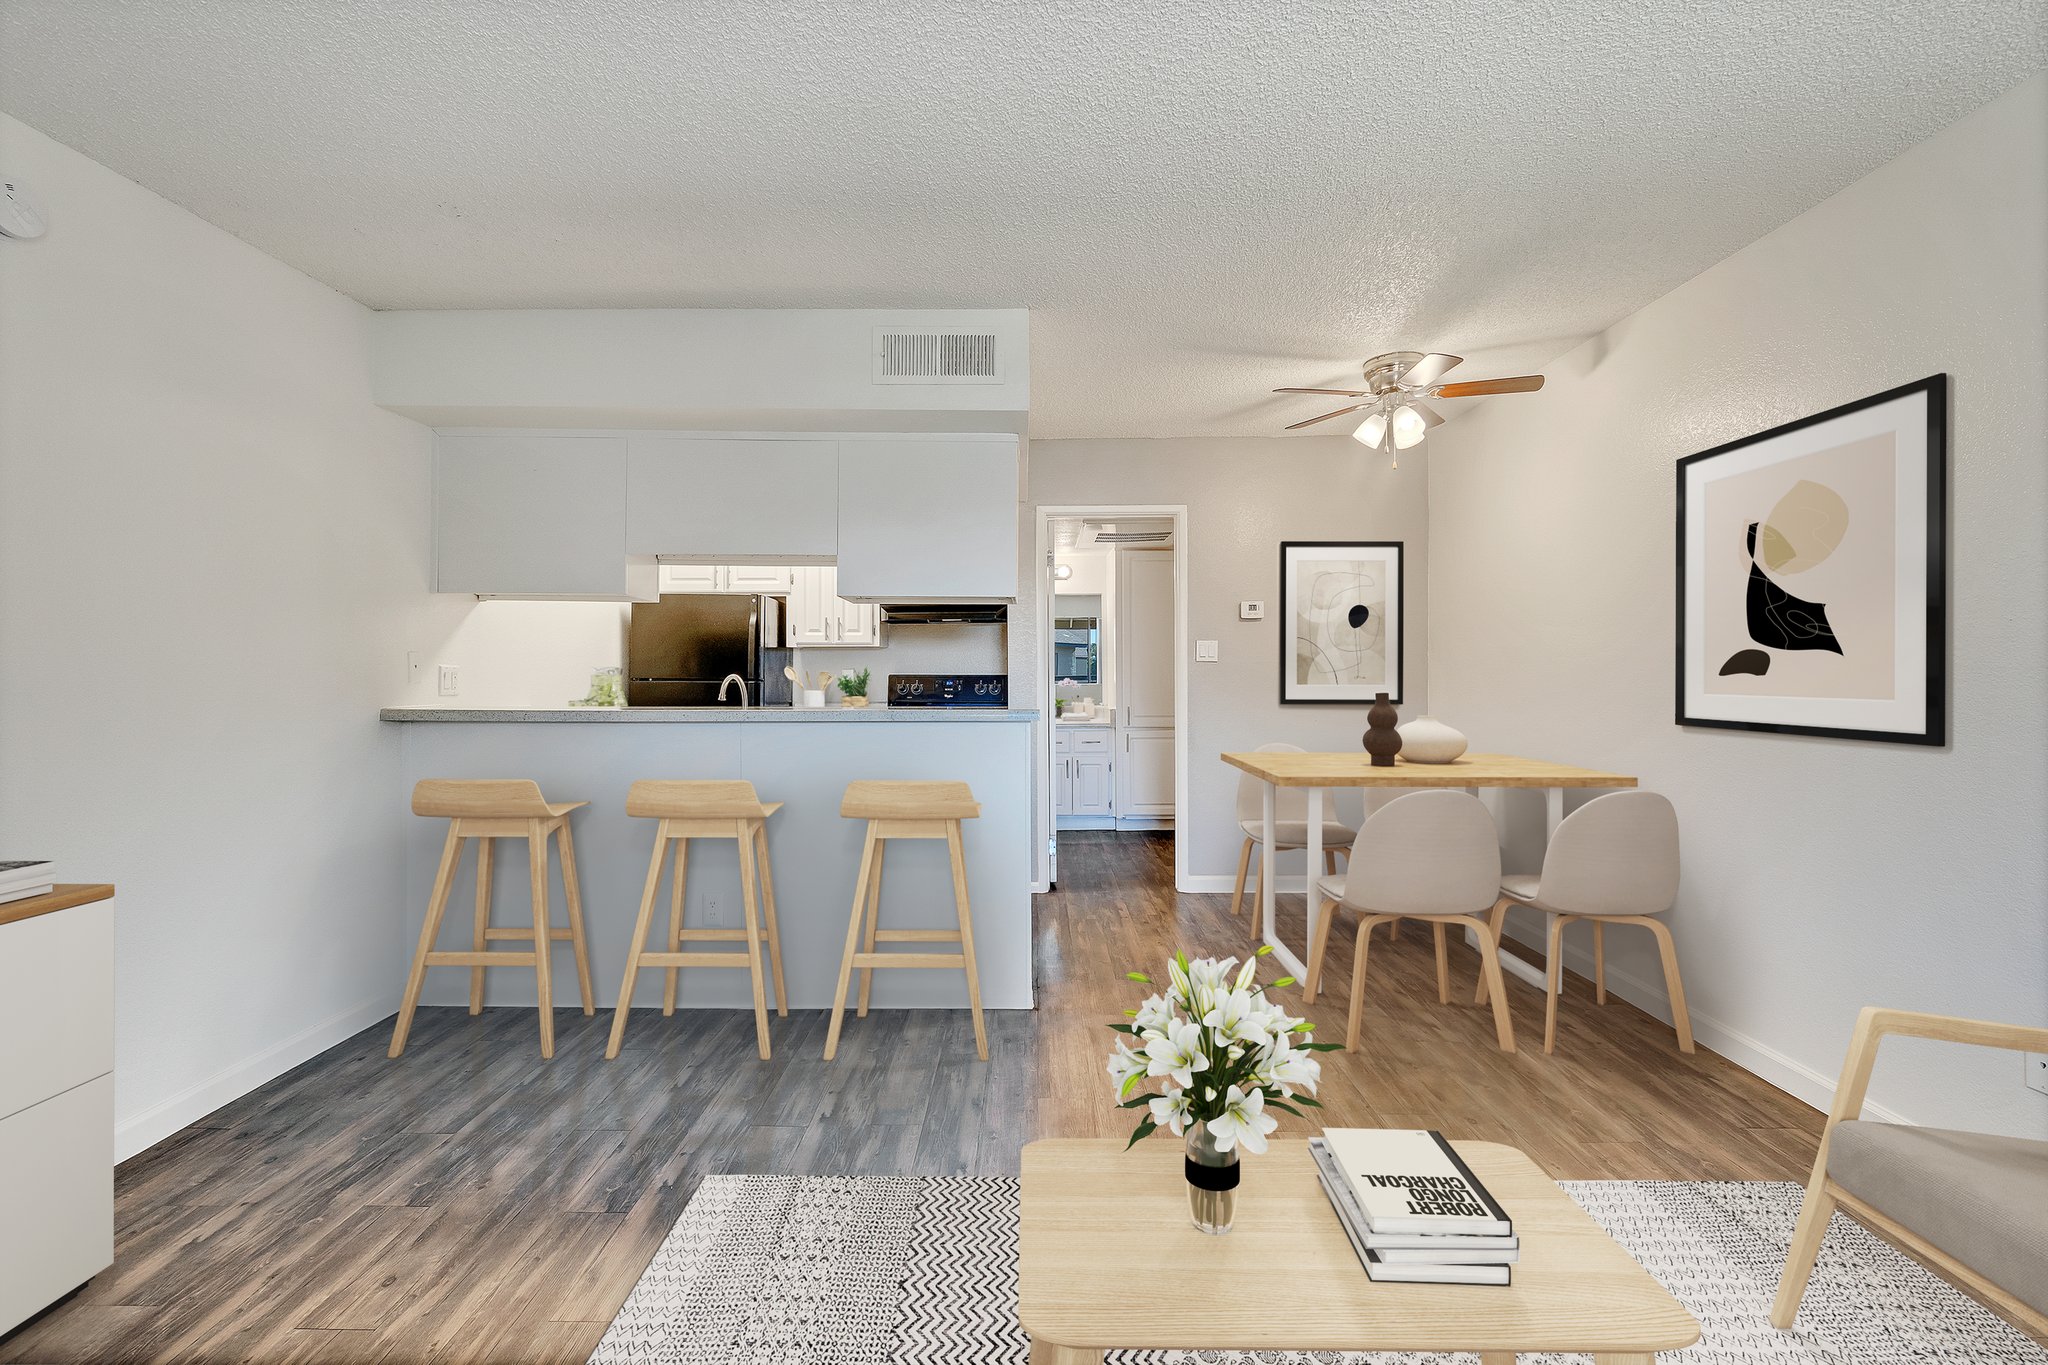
point(713, 496)
point(1145, 778)
point(692, 578)
point(57, 987)
point(534, 516)
point(1062, 785)
point(1093, 791)
point(57, 1202)
point(769, 578)
point(1144, 632)
point(811, 608)
point(860, 623)
point(932, 521)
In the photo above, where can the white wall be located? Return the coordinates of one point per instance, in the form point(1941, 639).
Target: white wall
point(1820, 875)
point(1244, 496)
point(210, 544)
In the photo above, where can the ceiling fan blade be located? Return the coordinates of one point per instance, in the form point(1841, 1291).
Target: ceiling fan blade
point(1475, 388)
point(1295, 426)
point(1428, 415)
point(1428, 370)
point(1341, 393)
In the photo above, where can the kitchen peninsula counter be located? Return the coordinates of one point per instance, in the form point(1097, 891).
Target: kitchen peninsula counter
point(700, 715)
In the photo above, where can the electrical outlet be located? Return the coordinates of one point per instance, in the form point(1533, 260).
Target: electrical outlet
point(2037, 1071)
point(451, 680)
point(714, 912)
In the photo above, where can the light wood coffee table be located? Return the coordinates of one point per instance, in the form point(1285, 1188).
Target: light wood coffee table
point(1110, 1260)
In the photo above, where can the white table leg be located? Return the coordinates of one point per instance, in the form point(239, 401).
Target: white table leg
point(1269, 914)
point(1313, 870)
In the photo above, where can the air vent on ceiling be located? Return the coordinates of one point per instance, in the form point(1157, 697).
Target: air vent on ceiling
point(1131, 537)
point(903, 357)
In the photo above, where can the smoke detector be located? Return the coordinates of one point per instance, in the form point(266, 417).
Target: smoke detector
point(18, 217)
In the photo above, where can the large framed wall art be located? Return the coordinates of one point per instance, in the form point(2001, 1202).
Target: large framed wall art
point(1340, 613)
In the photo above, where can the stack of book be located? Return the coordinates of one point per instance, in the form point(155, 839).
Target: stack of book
point(20, 880)
point(1412, 1208)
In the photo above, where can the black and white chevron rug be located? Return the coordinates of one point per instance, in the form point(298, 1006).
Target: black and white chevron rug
point(906, 1270)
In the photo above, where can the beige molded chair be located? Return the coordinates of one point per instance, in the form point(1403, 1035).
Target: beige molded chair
point(1290, 829)
point(1428, 855)
point(1973, 1205)
point(1614, 860)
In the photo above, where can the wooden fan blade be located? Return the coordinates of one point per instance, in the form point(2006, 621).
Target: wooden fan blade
point(1341, 393)
point(1475, 388)
point(1296, 426)
point(1428, 370)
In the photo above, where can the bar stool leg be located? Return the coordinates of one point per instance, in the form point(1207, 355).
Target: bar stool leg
point(860, 891)
point(959, 857)
point(640, 925)
point(451, 853)
point(774, 933)
point(478, 940)
point(675, 921)
point(867, 974)
point(749, 902)
point(573, 894)
point(537, 867)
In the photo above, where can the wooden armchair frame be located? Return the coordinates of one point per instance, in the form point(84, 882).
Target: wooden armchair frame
point(1823, 1195)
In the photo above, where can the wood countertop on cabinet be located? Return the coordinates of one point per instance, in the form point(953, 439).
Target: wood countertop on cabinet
point(63, 898)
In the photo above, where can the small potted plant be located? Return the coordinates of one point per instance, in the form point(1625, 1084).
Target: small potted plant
point(1221, 1055)
point(854, 687)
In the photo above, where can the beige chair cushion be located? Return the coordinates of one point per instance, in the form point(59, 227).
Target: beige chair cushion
point(1332, 887)
point(1982, 1199)
point(1522, 886)
point(1294, 833)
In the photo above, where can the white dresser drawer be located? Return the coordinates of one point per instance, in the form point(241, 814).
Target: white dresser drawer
point(56, 1003)
point(56, 1196)
point(1090, 741)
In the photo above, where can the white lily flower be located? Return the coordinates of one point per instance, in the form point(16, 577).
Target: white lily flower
point(1290, 1070)
point(1153, 1016)
point(1177, 1053)
point(1237, 1019)
point(1123, 1065)
point(1171, 1111)
point(1243, 1122)
point(1180, 989)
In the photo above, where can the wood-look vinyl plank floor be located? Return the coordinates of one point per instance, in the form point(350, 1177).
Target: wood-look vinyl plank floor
point(470, 1202)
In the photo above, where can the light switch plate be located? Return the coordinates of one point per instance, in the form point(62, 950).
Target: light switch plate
point(451, 680)
point(1251, 611)
point(2037, 1071)
point(1205, 651)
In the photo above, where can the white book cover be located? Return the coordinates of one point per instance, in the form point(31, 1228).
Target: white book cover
point(27, 872)
point(1423, 1241)
point(1409, 1180)
point(1333, 1183)
point(1444, 1255)
point(22, 893)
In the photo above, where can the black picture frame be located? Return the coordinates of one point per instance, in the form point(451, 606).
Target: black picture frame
point(1286, 614)
point(1934, 723)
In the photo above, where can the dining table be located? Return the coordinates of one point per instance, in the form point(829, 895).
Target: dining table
point(1318, 773)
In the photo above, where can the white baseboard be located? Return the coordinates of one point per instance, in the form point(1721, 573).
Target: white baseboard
point(141, 1131)
point(1793, 1077)
point(1227, 882)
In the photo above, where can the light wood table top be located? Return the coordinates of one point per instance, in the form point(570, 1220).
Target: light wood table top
point(64, 897)
point(1111, 1260)
point(1472, 770)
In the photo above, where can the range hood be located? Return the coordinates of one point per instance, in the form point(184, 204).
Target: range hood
point(944, 613)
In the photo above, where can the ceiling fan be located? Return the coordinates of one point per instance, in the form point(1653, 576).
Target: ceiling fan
point(1396, 385)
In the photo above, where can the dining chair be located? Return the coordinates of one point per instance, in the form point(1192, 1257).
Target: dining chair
point(1614, 860)
point(1290, 829)
point(1427, 855)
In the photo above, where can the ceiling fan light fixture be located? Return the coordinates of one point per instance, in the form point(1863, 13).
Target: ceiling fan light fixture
point(1408, 426)
point(1372, 431)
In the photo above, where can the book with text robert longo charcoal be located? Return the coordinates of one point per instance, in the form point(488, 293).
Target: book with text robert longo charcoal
point(1409, 1180)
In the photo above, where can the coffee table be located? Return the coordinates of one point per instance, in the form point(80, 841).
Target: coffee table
point(1110, 1260)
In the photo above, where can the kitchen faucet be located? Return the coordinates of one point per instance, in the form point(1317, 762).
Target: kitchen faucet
point(730, 679)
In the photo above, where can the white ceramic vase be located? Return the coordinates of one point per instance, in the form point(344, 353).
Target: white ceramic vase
point(1428, 740)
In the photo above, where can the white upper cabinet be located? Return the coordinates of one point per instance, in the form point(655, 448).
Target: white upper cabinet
point(693, 578)
point(720, 499)
point(932, 521)
point(534, 515)
point(818, 616)
point(768, 578)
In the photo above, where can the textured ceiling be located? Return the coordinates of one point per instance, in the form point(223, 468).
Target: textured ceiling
point(1197, 201)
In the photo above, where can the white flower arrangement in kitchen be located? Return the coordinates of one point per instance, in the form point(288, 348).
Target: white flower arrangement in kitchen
point(1222, 1055)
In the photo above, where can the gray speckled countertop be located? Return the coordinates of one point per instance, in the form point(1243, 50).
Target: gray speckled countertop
point(699, 715)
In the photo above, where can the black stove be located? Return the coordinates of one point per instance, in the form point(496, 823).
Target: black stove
point(949, 689)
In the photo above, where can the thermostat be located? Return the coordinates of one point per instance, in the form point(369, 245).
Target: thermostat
point(1251, 611)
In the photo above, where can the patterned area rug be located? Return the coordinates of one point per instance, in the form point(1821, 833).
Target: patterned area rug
point(778, 1270)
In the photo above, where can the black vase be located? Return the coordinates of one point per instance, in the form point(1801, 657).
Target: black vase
point(1382, 740)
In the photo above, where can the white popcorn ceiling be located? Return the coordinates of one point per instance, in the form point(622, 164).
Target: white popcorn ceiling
point(1197, 201)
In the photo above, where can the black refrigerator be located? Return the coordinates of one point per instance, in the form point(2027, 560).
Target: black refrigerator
point(679, 649)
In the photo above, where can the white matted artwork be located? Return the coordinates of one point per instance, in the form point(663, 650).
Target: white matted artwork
point(1340, 613)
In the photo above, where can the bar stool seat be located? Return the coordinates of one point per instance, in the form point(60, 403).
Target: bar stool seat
point(705, 810)
point(906, 810)
point(487, 810)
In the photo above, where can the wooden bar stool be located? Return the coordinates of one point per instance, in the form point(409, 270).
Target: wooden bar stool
point(484, 811)
point(906, 810)
point(705, 810)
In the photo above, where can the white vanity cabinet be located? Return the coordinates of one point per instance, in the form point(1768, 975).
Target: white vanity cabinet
point(535, 515)
point(1084, 771)
point(819, 617)
point(928, 520)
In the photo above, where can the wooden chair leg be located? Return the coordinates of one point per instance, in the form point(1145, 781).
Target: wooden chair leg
point(751, 909)
point(1244, 867)
point(451, 854)
point(641, 923)
point(1673, 986)
point(572, 893)
point(1489, 976)
point(1807, 1236)
point(1553, 979)
point(853, 927)
point(774, 932)
point(1393, 931)
point(1321, 947)
point(867, 974)
point(1356, 1021)
point(1496, 925)
point(1443, 964)
point(959, 857)
point(537, 867)
point(677, 885)
point(478, 942)
point(1599, 962)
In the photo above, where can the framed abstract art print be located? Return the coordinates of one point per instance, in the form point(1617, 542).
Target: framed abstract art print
point(1812, 572)
point(1340, 613)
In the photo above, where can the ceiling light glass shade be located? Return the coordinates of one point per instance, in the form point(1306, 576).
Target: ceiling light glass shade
point(1372, 431)
point(1408, 427)
point(1063, 571)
